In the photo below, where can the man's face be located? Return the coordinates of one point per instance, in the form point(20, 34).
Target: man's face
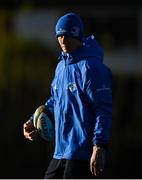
point(69, 44)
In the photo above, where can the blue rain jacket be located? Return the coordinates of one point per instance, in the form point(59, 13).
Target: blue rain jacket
point(81, 101)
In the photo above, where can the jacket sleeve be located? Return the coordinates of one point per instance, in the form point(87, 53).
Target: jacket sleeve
point(99, 91)
point(50, 104)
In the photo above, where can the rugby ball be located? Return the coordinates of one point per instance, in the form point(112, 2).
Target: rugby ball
point(44, 123)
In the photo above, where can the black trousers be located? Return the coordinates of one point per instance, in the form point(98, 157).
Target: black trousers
point(68, 169)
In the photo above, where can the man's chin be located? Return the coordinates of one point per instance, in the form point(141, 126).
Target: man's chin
point(65, 50)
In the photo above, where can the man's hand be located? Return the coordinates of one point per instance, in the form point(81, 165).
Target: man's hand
point(29, 131)
point(97, 161)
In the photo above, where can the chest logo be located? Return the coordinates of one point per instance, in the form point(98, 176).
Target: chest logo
point(72, 87)
point(55, 87)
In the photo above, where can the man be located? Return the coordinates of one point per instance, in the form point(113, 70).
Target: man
point(81, 103)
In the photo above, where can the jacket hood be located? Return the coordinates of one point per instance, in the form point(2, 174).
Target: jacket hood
point(90, 49)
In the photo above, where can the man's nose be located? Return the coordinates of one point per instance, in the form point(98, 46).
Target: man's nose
point(64, 39)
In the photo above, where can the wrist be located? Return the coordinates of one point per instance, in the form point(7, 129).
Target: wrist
point(100, 146)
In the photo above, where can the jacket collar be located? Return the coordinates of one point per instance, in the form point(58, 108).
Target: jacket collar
point(90, 49)
point(72, 57)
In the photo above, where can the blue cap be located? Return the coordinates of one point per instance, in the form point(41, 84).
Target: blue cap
point(70, 25)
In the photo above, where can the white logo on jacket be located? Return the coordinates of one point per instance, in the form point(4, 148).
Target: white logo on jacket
point(72, 87)
point(55, 87)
